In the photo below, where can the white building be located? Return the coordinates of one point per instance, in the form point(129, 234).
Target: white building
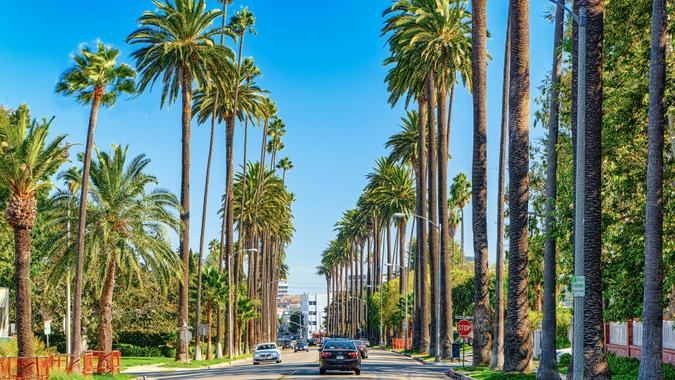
point(314, 310)
point(282, 289)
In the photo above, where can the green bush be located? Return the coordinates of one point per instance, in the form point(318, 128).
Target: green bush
point(565, 360)
point(142, 339)
point(136, 351)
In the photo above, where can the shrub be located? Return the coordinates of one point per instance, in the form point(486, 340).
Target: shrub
point(565, 360)
point(9, 348)
point(136, 351)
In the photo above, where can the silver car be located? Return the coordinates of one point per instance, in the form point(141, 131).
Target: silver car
point(266, 352)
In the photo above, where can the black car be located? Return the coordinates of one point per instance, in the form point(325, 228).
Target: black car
point(287, 344)
point(311, 342)
point(361, 346)
point(339, 355)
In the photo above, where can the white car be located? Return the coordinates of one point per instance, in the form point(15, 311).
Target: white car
point(266, 352)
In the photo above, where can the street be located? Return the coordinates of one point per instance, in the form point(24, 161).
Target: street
point(304, 365)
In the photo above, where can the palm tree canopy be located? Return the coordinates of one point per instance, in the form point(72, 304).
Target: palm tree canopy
point(126, 222)
point(97, 70)
point(460, 190)
point(27, 158)
point(177, 41)
point(403, 145)
point(243, 20)
point(285, 164)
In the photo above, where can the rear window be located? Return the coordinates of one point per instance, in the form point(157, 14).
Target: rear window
point(358, 342)
point(339, 345)
point(266, 347)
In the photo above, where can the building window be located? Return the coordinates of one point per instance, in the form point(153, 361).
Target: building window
point(312, 313)
point(312, 303)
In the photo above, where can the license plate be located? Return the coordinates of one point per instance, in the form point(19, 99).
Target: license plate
point(339, 357)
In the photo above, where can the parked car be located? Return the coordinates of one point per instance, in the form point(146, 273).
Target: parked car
point(339, 355)
point(365, 341)
point(301, 346)
point(363, 349)
point(311, 342)
point(266, 352)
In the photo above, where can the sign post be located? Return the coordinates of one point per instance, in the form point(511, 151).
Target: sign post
point(186, 337)
point(464, 328)
point(48, 330)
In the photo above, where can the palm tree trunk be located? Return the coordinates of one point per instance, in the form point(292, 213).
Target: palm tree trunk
point(24, 331)
point(445, 278)
point(461, 248)
point(209, 307)
point(76, 341)
point(652, 312)
point(181, 350)
point(105, 328)
point(219, 329)
point(596, 365)
point(228, 218)
point(433, 210)
point(403, 276)
point(198, 311)
point(548, 368)
point(421, 261)
point(518, 349)
point(389, 268)
point(482, 343)
point(498, 347)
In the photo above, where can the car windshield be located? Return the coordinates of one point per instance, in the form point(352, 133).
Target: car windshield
point(266, 347)
point(358, 342)
point(339, 345)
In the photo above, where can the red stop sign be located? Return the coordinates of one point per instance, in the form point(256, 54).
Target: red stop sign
point(464, 328)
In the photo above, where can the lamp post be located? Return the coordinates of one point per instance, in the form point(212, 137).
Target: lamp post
point(437, 350)
point(230, 311)
point(580, 195)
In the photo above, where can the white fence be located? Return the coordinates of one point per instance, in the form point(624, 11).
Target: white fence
point(618, 333)
point(668, 334)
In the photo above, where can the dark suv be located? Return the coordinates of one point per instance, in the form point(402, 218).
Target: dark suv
point(339, 355)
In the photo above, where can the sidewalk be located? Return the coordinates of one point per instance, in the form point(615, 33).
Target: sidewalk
point(153, 368)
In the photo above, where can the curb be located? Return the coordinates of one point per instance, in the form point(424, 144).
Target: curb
point(457, 376)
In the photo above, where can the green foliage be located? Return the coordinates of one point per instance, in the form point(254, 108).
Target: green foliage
point(9, 348)
point(628, 368)
point(136, 351)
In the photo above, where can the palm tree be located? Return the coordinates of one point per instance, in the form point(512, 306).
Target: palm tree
point(215, 291)
point(518, 343)
point(461, 193)
point(652, 311)
point(498, 336)
point(127, 230)
point(95, 79)
point(403, 145)
point(27, 162)
point(595, 363)
point(177, 45)
point(276, 131)
point(483, 341)
point(284, 164)
point(548, 366)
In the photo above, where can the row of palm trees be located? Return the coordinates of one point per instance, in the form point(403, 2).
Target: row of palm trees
point(432, 44)
point(176, 43)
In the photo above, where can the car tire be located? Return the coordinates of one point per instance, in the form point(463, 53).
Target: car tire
point(254, 363)
point(322, 371)
point(278, 361)
point(357, 372)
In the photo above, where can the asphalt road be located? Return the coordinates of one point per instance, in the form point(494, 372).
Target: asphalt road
point(305, 365)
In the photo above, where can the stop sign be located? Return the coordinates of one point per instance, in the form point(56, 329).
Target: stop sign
point(464, 328)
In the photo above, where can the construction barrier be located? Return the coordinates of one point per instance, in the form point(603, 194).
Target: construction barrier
point(38, 368)
point(399, 344)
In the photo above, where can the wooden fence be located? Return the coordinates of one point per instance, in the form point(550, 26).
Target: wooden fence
point(38, 368)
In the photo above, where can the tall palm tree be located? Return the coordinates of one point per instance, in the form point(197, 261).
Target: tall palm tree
point(483, 341)
point(27, 162)
point(548, 366)
point(595, 363)
point(223, 32)
point(96, 79)
point(518, 343)
point(498, 336)
point(652, 311)
point(284, 165)
point(461, 193)
point(127, 231)
point(177, 46)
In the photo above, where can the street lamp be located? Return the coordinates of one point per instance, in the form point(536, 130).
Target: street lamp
point(437, 351)
point(580, 196)
point(230, 311)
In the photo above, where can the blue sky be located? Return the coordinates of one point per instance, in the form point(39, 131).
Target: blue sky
point(322, 63)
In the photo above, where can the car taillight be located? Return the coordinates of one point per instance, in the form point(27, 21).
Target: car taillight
point(325, 355)
point(353, 355)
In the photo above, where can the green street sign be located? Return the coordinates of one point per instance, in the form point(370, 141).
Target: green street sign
point(578, 286)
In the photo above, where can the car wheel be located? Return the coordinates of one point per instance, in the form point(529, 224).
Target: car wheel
point(357, 372)
point(278, 361)
point(254, 363)
point(322, 371)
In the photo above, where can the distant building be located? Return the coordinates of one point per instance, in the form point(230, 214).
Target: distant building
point(4, 313)
point(282, 290)
point(314, 310)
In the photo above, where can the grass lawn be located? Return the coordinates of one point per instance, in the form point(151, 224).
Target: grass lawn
point(201, 363)
point(64, 376)
point(129, 361)
point(485, 373)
